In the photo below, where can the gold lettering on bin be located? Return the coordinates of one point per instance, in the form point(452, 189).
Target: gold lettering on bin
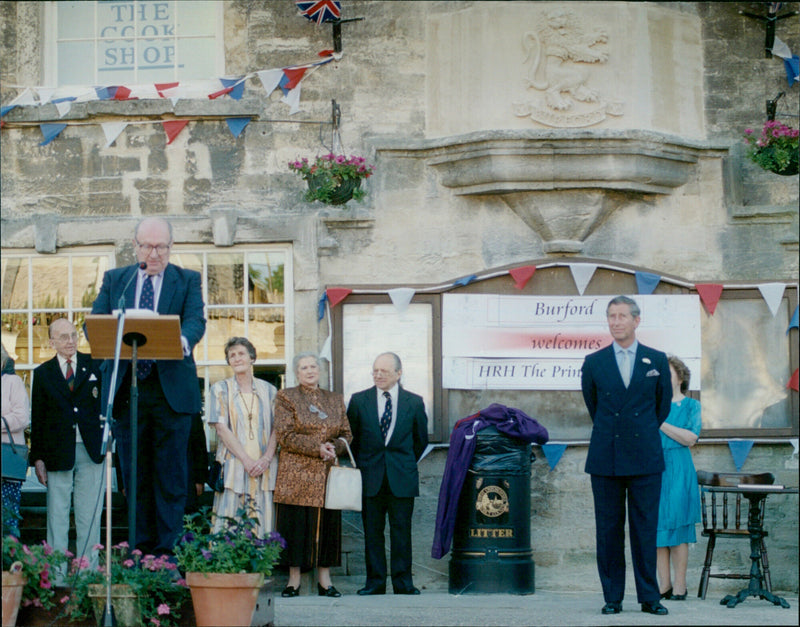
point(492, 501)
point(483, 532)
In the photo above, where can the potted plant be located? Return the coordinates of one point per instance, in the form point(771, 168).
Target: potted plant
point(146, 590)
point(333, 179)
point(27, 572)
point(776, 149)
point(226, 569)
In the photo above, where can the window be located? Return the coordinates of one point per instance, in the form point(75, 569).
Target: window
point(36, 289)
point(106, 42)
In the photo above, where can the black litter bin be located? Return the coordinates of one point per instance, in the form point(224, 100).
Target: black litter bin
point(492, 535)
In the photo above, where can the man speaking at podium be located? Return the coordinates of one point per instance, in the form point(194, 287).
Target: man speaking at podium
point(168, 389)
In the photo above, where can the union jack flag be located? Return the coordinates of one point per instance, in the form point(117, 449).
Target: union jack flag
point(320, 11)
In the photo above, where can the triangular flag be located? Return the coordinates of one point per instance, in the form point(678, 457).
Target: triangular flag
point(465, 280)
point(236, 86)
point(173, 128)
point(401, 297)
point(321, 307)
point(582, 273)
point(793, 381)
point(219, 93)
point(793, 323)
point(293, 78)
point(553, 453)
point(162, 87)
point(123, 93)
point(740, 449)
point(50, 132)
point(105, 93)
point(796, 444)
point(792, 67)
point(325, 353)
point(112, 130)
point(337, 294)
point(772, 293)
point(709, 294)
point(781, 50)
point(293, 100)
point(63, 107)
point(25, 98)
point(6, 109)
point(646, 282)
point(270, 79)
point(236, 125)
point(522, 275)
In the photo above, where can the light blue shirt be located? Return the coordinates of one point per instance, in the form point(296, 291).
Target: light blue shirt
point(631, 350)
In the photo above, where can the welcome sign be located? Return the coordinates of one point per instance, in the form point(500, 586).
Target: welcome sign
point(502, 342)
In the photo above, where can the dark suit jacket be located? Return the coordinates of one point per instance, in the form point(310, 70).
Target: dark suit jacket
point(55, 413)
point(398, 458)
point(625, 436)
point(181, 295)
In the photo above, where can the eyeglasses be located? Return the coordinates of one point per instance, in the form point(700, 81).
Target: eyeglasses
point(382, 373)
point(148, 248)
point(66, 337)
point(315, 410)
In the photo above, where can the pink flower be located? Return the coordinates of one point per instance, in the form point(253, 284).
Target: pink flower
point(64, 599)
point(128, 564)
point(69, 554)
point(45, 584)
point(162, 609)
point(182, 583)
point(155, 622)
point(136, 552)
point(97, 547)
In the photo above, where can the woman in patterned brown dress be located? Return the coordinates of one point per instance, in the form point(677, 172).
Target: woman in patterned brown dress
point(309, 423)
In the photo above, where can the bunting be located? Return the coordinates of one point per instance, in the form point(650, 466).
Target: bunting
point(709, 294)
point(173, 129)
point(237, 125)
point(740, 449)
point(321, 307)
point(337, 294)
point(582, 273)
point(522, 275)
point(465, 280)
point(326, 353)
point(401, 298)
point(553, 452)
point(320, 11)
point(646, 282)
point(793, 381)
point(112, 130)
point(793, 323)
point(50, 132)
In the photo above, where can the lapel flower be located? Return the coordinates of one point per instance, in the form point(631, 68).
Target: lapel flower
point(645, 360)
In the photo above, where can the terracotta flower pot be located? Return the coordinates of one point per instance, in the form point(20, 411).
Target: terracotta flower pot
point(224, 598)
point(13, 583)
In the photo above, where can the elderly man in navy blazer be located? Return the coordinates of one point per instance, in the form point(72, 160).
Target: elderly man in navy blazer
point(169, 391)
point(66, 435)
point(627, 390)
point(390, 433)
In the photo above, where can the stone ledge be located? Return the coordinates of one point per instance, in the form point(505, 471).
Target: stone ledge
point(501, 162)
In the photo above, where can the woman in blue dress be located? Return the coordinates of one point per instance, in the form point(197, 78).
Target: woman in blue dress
point(679, 509)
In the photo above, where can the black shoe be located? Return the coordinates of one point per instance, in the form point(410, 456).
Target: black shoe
point(667, 594)
point(330, 591)
point(612, 607)
point(411, 590)
point(372, 590)
point(654, 607)
point(289, 591)
point(678, 597)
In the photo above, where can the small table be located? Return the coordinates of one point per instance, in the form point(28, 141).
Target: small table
point(755, 494)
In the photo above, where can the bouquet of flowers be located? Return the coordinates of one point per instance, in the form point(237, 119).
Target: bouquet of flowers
point(776, 149)
point(333, 179)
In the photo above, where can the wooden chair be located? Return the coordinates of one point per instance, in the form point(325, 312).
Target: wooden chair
point(723, 518)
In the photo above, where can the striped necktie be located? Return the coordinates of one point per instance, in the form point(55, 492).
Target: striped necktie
point(386, 418)
point(70, 376)
point(146, 301)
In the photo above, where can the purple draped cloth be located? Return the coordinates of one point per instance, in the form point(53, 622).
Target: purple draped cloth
point(512, 422)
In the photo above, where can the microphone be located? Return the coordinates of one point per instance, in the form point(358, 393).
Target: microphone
point(121, 305)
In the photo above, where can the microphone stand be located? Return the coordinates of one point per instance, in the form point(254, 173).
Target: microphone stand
point(109, 619)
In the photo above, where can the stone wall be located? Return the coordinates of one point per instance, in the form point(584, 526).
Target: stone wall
point(693, 77)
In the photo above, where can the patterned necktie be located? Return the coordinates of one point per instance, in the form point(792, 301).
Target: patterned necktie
point(386, 419)
point(146, 301)
point(70, 375)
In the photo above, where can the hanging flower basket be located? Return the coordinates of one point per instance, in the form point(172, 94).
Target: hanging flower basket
point(333, 179)
point(776, 149)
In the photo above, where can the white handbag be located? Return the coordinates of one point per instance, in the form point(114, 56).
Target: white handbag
point(343, 490)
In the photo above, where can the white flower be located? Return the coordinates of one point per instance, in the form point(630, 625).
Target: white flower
point(645, 360)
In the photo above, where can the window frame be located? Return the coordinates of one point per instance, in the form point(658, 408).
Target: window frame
point(50, 47)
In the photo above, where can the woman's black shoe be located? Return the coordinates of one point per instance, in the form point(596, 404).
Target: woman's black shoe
point(668, 594)
point(328, 592)
point(289, 591)
point(678, 597)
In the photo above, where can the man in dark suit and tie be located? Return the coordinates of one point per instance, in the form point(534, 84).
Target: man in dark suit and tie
point(169, 393)
point(390, 433)
point(66, 438)
point(627, 390)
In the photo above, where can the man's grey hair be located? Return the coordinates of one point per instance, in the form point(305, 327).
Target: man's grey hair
point(398, 365)
point(303, 355)
point(625, 300)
